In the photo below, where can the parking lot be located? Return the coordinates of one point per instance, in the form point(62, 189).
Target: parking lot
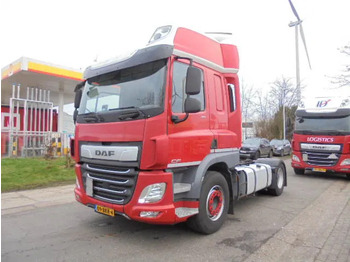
point(303, 224)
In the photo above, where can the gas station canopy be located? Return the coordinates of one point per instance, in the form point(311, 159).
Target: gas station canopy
point(27, 72)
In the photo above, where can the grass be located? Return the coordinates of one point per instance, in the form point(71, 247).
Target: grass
point(29, 173)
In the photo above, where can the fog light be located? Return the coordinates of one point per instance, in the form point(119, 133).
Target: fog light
point(295, 158)
point(149, 213)
point(345, 162)
point(152, 193)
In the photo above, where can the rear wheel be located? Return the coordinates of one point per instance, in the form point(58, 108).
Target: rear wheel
point(213, 204)
point(278, 182)
point(299, 171)
point(257, 155)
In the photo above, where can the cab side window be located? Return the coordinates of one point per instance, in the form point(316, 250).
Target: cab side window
point(179, 94)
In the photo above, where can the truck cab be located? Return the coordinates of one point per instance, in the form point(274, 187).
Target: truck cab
point(321, 140)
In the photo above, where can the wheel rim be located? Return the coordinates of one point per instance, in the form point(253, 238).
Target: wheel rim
point(215, 203)
point(280, 177)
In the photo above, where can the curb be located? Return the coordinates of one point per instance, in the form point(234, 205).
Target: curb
point(304, 238)
point(14, 202)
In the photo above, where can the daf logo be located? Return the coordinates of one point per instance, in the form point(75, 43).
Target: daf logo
point(104, 153)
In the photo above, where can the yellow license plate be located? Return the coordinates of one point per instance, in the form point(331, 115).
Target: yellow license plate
point(319, 169)
point(104, 210)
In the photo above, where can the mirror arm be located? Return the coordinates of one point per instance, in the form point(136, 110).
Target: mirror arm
point(176, 120)
point(186, 58)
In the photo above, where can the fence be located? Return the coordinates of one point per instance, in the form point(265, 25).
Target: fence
point(27, 127)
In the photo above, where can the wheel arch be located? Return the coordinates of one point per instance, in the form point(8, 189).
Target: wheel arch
point(220, 162)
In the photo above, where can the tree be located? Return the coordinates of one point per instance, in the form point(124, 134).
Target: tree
point(344, 79)
point(283, 92)
point(248, 95)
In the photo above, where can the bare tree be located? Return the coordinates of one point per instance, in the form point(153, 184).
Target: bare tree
point(263, 106)
point(344, 78)
point(248, 94)
point(283, 92)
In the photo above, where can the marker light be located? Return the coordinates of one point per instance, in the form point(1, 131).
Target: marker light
point(160, 33)
point(152, 193)
point(345, 103)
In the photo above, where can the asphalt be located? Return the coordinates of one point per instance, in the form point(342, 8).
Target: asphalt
point(321, 232)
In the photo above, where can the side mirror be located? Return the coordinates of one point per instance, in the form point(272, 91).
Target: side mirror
point(193, 81)
point(192, 105)
point(77, 99)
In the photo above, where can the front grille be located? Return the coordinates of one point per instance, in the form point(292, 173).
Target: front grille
point(109, 184)
point(322, 158)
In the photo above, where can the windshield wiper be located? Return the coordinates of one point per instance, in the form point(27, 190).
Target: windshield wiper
point(133, 113)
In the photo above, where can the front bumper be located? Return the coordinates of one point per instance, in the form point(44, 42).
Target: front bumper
point(334, 169)
point(170, 212)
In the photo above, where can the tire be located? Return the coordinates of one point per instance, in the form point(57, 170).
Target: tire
point(257, 155)
point(278, 176)
point(213, 204)
point(270, 154)
point(299, 171)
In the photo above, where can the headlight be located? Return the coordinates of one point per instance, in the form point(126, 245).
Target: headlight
point(295, 158)
point(345, 162)
point(152, 193)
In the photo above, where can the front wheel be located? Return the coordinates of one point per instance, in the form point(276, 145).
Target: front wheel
point(213, 204)
point(270, 154)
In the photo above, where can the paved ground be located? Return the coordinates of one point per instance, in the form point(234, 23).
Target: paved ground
point(316, 230)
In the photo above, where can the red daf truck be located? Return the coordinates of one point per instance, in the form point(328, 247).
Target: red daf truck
point(321, 140)
point(158, 134)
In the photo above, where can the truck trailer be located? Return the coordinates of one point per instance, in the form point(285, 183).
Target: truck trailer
point(158, 134)
point(321, 139)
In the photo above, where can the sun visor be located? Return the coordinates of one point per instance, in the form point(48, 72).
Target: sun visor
point(141, 56)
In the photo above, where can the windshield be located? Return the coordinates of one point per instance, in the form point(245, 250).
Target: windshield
point(252, 142)
point(140, 88)
point(330, 126)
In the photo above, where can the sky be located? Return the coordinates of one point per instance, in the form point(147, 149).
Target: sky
point(75, 33)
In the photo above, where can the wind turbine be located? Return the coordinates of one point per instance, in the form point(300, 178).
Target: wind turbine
point(297, 25)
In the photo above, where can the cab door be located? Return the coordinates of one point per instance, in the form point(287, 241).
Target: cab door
point(190, 140)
